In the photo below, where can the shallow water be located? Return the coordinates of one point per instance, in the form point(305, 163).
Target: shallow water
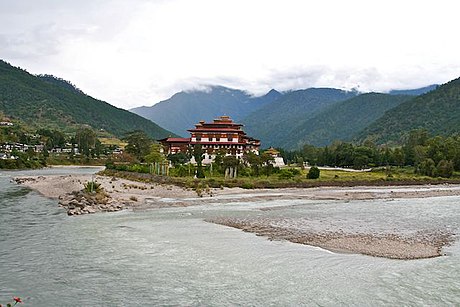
point(172, 257)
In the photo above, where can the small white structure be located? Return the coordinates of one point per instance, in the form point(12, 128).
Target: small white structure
point(279, 162)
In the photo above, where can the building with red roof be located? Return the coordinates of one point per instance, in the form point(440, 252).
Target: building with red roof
point(221, 135)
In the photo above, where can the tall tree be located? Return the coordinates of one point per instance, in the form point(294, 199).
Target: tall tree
point(86, 140)
point(198, 155)
point(155, 154)
point(139, 144)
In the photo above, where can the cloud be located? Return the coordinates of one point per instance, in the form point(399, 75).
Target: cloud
point(139, 52)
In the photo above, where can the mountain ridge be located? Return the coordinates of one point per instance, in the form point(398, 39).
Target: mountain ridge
point(271, 123)
point(437, 111)
point(343, 120)
point(184, 109)
point(52, 103)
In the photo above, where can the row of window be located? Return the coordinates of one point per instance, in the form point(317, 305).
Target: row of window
point(199, 139)
point(210, 156)
point(222, 146)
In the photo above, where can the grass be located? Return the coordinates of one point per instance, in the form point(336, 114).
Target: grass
point(112, 141)
point(396, 176)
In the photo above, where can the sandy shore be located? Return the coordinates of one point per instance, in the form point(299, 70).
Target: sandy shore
point(53, 186)
point(422, 244)
point(129, 193)
point(139, 196)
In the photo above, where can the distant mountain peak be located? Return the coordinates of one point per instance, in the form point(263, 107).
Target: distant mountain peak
point(272, 93)
point(184, 109)
point(415, 92)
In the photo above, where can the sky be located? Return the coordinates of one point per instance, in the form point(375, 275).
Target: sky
point(139, 52)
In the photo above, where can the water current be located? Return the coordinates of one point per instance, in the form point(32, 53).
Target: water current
point(172, 257)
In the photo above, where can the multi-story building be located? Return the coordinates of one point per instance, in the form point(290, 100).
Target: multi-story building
point(221, 135)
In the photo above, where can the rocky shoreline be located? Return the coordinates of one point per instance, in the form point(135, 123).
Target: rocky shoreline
point(114, 195)
point(79, 202)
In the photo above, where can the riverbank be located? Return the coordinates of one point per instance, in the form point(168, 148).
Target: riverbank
point(420, 245)
point(54, 186)
point(118, 194)
point(331, 178)
point(135, 195)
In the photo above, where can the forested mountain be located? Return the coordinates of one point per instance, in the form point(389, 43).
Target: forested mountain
point(60, 82)
point(46, 101)
point(415, 92)
point(274, 122)
point(437, 111)
point(184, 109)
point(342, 120)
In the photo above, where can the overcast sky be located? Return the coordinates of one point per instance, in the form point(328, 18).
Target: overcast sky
point(138, 52)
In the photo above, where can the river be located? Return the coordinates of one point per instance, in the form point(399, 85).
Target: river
point(172, 257)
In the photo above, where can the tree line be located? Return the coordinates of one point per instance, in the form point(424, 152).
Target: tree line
point(430, 156)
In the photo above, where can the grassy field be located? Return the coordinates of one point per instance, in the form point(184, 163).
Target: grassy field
point(393, 174)
point(380, 177)
point(112, 141)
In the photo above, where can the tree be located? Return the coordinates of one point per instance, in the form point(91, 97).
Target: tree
point(267, 161)
point(155, 154)
point(427, 168)
point(398, 157)
point(445, 169)
point(179, 158)
point(139, 144)
point(52, 138)
point(415, 138)
point(218, 160)
point(300, 162)
point(86, 140)
point(230, 164)
point(254, 162)
point(197, 153)
point(313, 173)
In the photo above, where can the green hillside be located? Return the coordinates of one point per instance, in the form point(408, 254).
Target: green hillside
point(274, 122)
point(184, 109)
point(50, 102)
point(342, 120)
point(437, 111)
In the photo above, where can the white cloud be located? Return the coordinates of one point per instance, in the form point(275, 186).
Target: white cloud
point(133, 53)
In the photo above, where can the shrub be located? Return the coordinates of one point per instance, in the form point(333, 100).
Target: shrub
point(294, 171)
point(313, 173)
point(243, 171)
point(285, 174)
point(92, 187)
point(247, 185)
point(427, 168)
point(445, 169)
point(181, 170)
point(200, 172)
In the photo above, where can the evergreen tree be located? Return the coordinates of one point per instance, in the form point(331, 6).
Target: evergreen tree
point(313, 173)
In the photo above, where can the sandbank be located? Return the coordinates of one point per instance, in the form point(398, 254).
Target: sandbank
point(142, 196)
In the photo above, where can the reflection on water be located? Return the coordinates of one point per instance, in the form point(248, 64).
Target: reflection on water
point(171, 257)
